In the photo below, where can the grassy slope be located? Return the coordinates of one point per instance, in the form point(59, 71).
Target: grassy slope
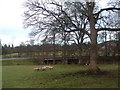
point(23, 76)
point(18, 62)
point(0, 76)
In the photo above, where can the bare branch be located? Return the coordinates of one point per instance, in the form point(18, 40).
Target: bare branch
point(106, 9)
point(79, 29)
point(108, 29)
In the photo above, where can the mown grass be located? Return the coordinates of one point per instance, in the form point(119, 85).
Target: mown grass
point(0, 76)
point(23, 76)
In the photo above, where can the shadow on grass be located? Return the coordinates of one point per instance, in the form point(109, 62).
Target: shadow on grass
point(109, 74)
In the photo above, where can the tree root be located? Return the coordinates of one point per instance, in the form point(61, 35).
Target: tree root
point(94, 71)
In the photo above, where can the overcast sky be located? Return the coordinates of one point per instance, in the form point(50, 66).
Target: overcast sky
point(11, 22)
point(11, 27)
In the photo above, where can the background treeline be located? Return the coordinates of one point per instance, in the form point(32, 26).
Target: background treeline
point(108, 48)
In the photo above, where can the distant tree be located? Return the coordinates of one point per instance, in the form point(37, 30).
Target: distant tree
point(4, 49)
point(32, 42)
point(118, 44)
point(102, 37)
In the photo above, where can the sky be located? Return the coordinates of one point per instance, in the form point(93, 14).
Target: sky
point(11, 22)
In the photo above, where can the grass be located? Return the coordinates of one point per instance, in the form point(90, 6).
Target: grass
point(10, 55)
point(18, 62)
point(23, 76)
point(0, 76)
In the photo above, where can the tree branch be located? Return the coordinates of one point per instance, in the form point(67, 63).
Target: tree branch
point(108, 29)
point(79, 29)
point(106, 9)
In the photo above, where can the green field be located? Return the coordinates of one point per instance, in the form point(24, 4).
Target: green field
point(62, 76)
point(18, 62)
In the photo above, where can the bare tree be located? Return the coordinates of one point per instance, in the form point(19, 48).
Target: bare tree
point(40, 15)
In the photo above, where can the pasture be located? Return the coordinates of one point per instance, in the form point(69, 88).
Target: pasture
point(62, 76)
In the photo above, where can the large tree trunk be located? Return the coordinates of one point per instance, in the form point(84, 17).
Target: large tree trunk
point(93, 52)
